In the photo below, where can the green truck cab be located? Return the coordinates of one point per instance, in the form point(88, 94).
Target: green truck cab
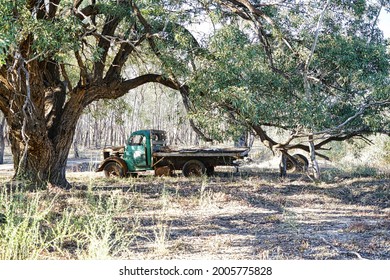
point(147, 150)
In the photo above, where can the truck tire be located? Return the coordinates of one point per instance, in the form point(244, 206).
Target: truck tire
point(163, 171)
point(113, 170)
point(302, 161)
point(194, 168)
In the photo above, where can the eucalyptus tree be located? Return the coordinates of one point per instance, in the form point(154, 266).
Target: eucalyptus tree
point(317, 69)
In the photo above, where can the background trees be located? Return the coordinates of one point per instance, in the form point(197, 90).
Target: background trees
point(152, 107)
point(318, 70)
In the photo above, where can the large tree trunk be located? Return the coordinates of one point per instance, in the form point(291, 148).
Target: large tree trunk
point(41, 139)
point(41, 122)
point(40, 165)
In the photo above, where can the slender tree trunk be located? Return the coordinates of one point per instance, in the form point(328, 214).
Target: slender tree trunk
point(314, 164)
point(2, 140)
point(76, 144)
point(283, 165)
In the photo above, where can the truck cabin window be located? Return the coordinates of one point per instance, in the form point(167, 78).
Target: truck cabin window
point(158, 139)
point(136, 140)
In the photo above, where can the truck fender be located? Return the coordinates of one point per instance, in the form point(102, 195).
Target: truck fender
point(116, 159)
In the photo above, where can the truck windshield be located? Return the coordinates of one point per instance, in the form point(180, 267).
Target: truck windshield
point(136, 140)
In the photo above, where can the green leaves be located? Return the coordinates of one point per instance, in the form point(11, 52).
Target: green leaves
point(8, 29)
point(4, 44)
point(55, 38)
point(251, 66)
point(50, 38)
point(237, 83)
point(249, 81)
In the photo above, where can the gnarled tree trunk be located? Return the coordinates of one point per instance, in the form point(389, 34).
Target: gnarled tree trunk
point(41, 125)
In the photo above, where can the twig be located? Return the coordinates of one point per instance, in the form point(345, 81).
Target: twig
point(342, 251)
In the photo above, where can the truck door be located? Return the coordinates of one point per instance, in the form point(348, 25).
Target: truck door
point(136, 151)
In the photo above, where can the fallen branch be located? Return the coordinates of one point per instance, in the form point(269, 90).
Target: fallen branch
point(343, 251)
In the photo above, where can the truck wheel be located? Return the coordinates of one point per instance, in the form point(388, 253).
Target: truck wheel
point(163, 171)
point(302, 163)
point(113, 169)
point(194, 168)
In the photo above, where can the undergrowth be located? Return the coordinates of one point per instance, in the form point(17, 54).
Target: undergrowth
point(250, 214)
point(78, 225)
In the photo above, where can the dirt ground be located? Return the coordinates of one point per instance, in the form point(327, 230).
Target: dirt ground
point(251, 214)
point(254, 215)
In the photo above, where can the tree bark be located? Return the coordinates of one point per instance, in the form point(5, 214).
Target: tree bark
point(283, 165)
point(2, 140)
point(40, 145)
point(314, 164)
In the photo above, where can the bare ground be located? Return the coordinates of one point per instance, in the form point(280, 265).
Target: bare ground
point(248, 215)
point(254, 215)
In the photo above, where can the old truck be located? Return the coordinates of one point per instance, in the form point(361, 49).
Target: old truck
point(147, 150)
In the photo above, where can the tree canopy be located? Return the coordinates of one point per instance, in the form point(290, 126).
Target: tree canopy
point(308, 68)
point(317, 69)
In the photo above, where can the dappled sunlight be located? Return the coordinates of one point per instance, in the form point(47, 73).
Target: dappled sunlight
point(251, 214)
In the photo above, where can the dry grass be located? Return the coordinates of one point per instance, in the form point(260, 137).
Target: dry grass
point(250, 215)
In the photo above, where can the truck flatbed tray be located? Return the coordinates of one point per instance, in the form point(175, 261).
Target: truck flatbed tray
point(208, 152)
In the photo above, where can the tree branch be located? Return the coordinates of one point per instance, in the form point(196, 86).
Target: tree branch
point(313, 47)
point(66, 77)
point(125, 50)
point(4, 81)
point(84, 77)
point(52, 6)
point(337, 130)
point(118, 88)
point(148, 78)
point(85, 12)
point(109, 28)
point(250, 12)
point(77, 3)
